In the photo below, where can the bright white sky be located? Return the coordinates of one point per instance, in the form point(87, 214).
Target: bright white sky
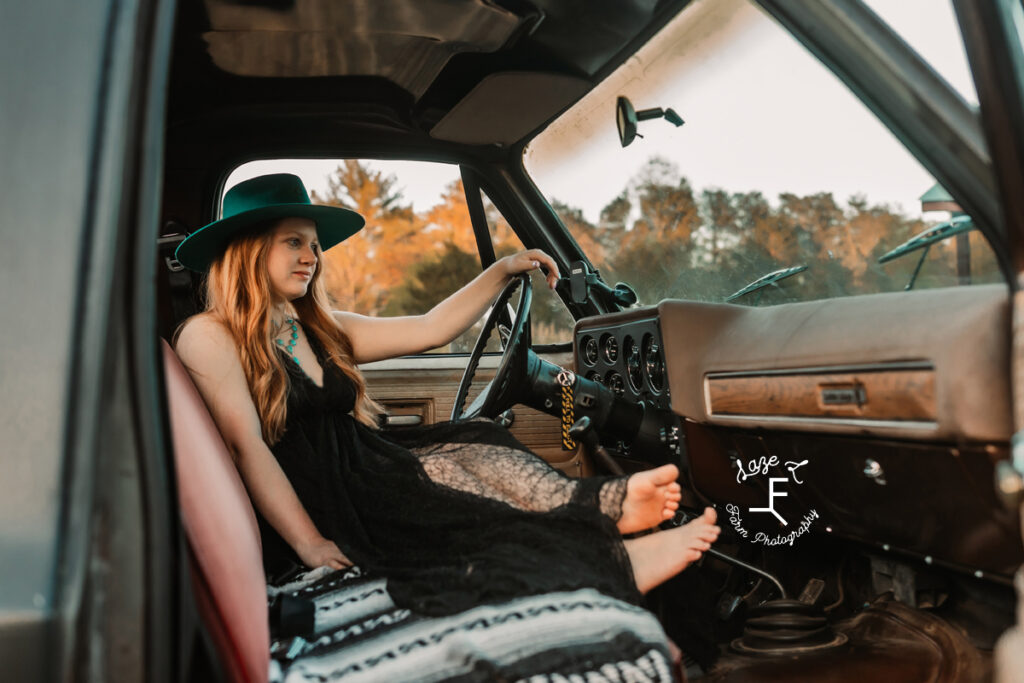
point(760, 113)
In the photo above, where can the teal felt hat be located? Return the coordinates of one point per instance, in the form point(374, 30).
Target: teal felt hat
point(252, 203)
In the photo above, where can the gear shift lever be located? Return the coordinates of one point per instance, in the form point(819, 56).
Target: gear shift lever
point(583, 432)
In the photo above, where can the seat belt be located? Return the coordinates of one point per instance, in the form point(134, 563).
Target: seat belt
point(180, 285)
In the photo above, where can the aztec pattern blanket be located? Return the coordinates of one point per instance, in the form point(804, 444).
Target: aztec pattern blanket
point(571, 637)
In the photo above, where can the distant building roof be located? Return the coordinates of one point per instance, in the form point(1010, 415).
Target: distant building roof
point(937, 199)
point(936, 194)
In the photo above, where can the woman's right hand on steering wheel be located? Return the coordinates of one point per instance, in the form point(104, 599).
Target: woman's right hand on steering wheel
point(322, 553)
point(532, 259)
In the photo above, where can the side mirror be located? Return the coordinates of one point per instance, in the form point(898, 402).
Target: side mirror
point(627, 118)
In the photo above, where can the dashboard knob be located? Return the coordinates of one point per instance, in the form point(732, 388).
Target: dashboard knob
point(1009, 485)
point(873, 471)
point(669, 436)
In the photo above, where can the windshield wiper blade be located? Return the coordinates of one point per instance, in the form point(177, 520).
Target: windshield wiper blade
point(924, 240)
point(766, 280)
point(928, 237)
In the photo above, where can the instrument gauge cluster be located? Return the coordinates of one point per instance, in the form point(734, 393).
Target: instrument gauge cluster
point(654, 363)
point(628, 358)
point(590, 351)
point(634, 367)
point(609, 348)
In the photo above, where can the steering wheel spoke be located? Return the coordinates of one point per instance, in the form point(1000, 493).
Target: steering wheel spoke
point(499, 394)
point(478, 402)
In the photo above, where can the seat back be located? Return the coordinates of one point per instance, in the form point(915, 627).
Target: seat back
point(221, 529)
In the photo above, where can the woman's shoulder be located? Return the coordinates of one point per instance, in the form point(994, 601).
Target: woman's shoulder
point(200, 326)
point(203, 335)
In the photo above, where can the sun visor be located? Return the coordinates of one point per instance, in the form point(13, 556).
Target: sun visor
point(505, 107)
point(407, 42)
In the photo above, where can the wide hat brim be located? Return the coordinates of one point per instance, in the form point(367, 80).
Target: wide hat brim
point(204, 246)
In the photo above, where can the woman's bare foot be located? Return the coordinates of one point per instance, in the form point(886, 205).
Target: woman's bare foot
point(658, 557)
point(652, 496)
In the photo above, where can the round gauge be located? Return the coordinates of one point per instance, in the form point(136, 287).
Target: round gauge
point(595, 376)
point(610, 349)
point(614, 381)
point(590, 350)
point(634, 366)
point(654, 364)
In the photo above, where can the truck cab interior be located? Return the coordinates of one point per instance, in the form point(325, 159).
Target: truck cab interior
point(859, 357)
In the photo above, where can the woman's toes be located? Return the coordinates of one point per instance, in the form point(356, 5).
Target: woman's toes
point(665, 475)
point(651, 497)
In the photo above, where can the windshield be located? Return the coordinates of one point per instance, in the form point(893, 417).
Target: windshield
point(778, 178)
point(929, 26)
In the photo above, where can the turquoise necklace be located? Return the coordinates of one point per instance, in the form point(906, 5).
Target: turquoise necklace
point(290, 346)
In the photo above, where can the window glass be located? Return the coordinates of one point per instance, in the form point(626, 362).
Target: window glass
point(930, 27)
point(417, 246)
point(778, 171)
point(551, 322)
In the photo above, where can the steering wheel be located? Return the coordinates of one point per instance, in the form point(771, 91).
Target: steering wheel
point(499, 394)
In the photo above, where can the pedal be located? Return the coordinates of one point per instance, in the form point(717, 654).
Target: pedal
point(727, 606)
point(812, 591)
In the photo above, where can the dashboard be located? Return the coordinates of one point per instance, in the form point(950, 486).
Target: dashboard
point(627, 357)
point(863, 393)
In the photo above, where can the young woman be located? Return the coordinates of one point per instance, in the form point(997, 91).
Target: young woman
point(455, 514)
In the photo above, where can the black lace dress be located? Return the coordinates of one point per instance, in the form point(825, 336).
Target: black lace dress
point(454, 515)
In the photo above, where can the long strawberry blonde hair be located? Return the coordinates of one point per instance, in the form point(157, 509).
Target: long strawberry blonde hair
point(238, 294)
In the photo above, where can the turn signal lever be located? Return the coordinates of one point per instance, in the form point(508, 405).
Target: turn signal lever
point(583, 432)
point(649, 431)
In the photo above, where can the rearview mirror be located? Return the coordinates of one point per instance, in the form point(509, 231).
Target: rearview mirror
point(627, 118)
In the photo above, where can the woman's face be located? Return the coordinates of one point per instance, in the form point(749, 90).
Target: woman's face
point(292, 257)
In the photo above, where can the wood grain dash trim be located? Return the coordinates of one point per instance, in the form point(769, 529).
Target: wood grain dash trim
point(437, 389)
point(886, 395)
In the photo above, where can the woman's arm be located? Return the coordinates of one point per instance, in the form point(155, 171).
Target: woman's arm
point(207, 350)
point(380, 338)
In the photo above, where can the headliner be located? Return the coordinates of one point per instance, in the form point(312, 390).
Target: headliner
point(468, 72)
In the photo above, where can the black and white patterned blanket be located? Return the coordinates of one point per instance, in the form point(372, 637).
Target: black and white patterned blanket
point(360, 635)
